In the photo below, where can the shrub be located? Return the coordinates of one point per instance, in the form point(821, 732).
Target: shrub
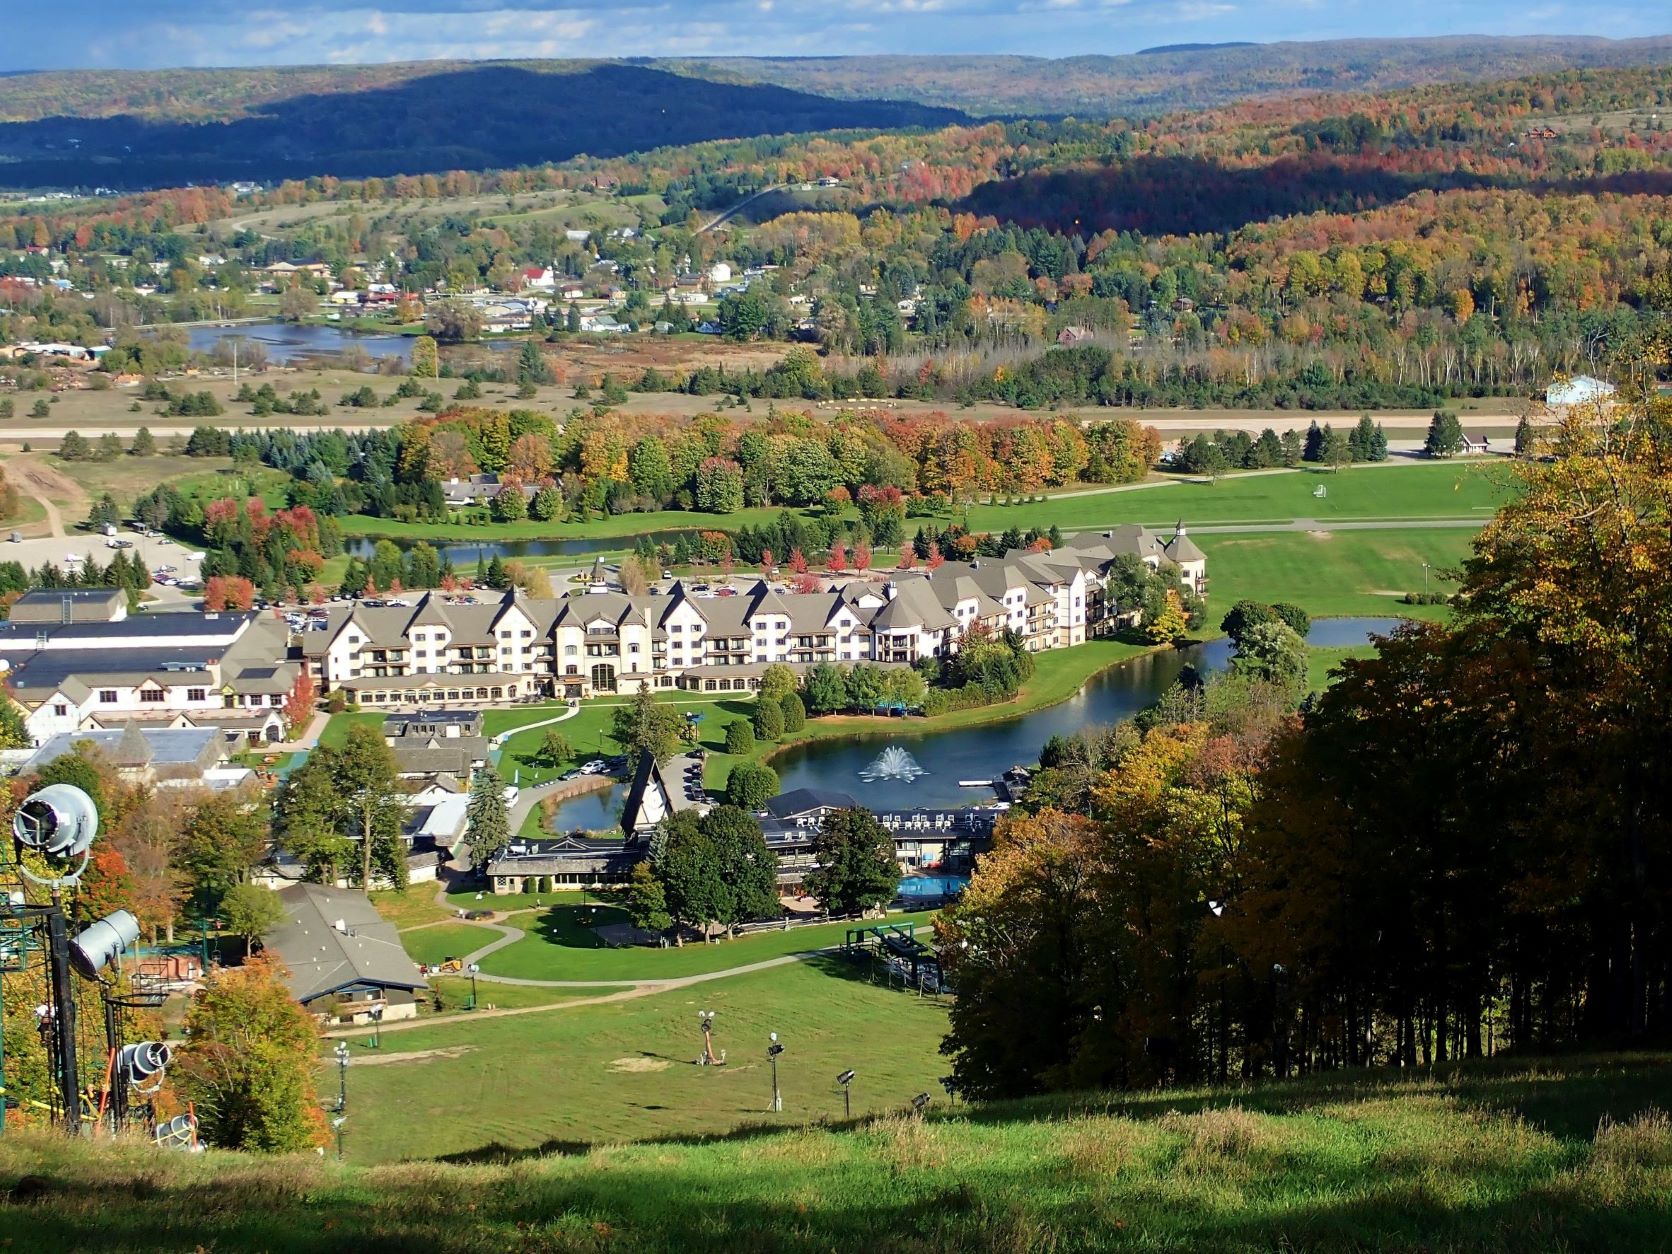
point(740, 738)
point(795, 712)
point(768, 720)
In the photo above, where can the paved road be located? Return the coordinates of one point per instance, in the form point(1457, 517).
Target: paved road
point(741, 205)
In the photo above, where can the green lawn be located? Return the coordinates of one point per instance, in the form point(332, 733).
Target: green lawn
point(624, 1070)
point(446, 940)
point(1335, 573)
point(1511, 1156)
point(336, 727)
point(1425, 490)
point(595, 528)
point(411, 906)
point(1321, 661)
point(559, 946)
point(454, 991)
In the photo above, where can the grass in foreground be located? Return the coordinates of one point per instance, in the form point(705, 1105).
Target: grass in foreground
point(1524, 1156)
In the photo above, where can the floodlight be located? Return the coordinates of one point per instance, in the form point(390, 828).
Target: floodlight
point(919, 1102)
point(846, 1077)
point(773, 1050)
point(99, 944)
point(143, 1061)
point(59, 822)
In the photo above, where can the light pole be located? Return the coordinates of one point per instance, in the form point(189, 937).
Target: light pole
point(707, 1019)
point(377, 1027)
point(342, 1076)
point(337, 1127)
point(772, 1052)
point(845, 1079)
point(1425, 579)
point(473, 968)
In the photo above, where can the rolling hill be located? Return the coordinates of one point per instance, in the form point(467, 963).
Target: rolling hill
point(362, 124)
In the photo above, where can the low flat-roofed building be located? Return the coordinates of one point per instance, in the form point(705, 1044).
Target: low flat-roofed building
point(71, 605)
point(144, 755)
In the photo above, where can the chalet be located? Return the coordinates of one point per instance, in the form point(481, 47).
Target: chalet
point(342, 960)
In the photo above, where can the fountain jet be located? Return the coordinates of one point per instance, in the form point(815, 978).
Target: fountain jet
point(892, 763)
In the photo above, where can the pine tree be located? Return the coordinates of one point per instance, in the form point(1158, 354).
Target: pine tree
point(487, 823)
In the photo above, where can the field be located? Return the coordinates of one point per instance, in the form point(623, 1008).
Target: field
point(431, 945)
point(623, 1070)
point(1333, 572)
point(1392, 491)
point(560, 946)
point(1509, 1155)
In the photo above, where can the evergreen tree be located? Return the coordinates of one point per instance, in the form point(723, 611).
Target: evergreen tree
point(144, 444)
point(487, 823)
point(1445, 435)
point(1313, 447)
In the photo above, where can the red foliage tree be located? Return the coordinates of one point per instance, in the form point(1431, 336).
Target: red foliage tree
point(935, 559)
point(862, 556)
point(838, 559)
point(298, 706)
point(806, 583)
point(798, 563)
point(766, 561)
point(228, 592)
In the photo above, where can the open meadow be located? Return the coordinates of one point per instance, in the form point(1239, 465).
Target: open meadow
point(465, 1088)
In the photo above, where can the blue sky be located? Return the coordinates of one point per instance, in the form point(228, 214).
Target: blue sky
point(157, 33)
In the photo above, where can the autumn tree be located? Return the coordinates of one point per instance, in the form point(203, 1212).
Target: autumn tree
point(299, 705)
point(249, 1062)
point(251, 911)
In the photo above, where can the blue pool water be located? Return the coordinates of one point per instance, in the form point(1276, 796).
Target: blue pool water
point(926, 886)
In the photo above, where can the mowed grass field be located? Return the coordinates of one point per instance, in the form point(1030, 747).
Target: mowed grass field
point(1508, 1156)
point(1333, 572)
point(1394, 491)
point(625, 1071)
point(561, 946)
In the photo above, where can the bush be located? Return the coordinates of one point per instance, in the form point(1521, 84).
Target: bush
point(768, 720)
point(740, 738)
point(1426, 598)
point(1296, 619)
point(795, 712)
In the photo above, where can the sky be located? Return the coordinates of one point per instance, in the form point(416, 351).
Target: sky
point(145, 34)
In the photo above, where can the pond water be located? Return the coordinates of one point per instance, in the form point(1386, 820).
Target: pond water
point(987, 751)
point(286, 343)
point(464, 553)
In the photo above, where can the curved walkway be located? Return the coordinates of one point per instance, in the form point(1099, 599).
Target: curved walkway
point(643, 988)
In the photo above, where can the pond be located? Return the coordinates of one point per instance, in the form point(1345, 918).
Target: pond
point(286, 343)
point(465, 553)
point(987, 751)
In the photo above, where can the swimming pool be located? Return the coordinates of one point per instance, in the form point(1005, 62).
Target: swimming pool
point(923, 887)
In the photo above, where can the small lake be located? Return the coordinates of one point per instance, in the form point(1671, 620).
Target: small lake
point(987, 751)
point(288, 343)
point(464, 553)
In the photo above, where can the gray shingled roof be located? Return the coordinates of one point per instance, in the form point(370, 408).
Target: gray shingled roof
point(322, 959)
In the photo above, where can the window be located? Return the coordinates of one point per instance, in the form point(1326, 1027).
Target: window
point(61, 710)
point(107, 696)
point(527, 635)
point(276, 701)
point(632, 648)
point(152, 696)
point(569, 650)
point(196, 694)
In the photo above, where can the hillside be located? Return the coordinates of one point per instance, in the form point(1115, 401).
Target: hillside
point(1183, 76)
point(1500, 1156)
point(191, 127)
